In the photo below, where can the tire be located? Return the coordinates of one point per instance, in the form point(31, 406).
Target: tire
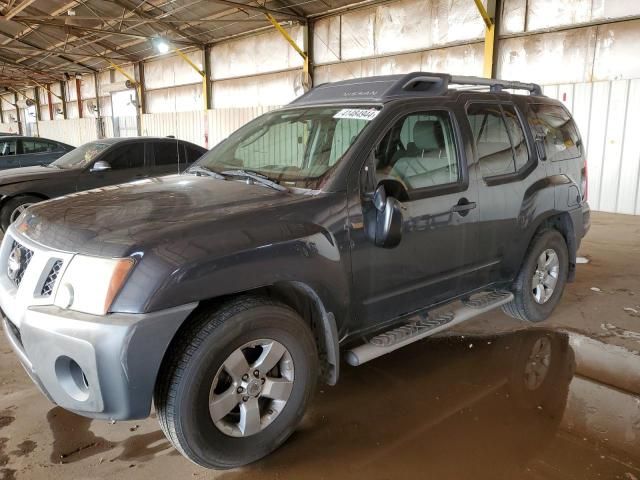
point(12, 207)
point(202, 358)
point(525, 306)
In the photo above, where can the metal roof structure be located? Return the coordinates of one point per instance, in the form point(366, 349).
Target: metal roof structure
point(44, 39)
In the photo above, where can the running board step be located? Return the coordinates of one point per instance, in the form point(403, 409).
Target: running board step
point(421, 326)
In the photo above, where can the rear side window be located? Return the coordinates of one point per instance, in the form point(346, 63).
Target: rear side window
point(38, 146)
point(127, 156)
point(492, 140)
point(559, 132)
point(499, 138)
point(166, 153)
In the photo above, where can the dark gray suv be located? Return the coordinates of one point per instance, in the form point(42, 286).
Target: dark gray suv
point(365, 216)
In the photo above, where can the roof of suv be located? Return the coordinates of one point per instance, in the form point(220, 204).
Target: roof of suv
point(382, 89)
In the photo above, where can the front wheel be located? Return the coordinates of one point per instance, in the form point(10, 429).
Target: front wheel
point(542, 278)
point(14, 207)
point(237, 383)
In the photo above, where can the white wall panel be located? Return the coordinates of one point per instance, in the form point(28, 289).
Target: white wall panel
point(616, 53)
point(461, 60)
point(326, 40)
point(628, 198)
point(265, 52)
point(9, 127)
point(74, 132)
point(357, 34)
point(548, 58)
point(171, 71)
point(188, 126)
point(514, 13)
point(176, 99)
point(260, 90)
point(87, 87)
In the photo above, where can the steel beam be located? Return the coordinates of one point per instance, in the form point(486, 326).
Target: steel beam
point(488, 16)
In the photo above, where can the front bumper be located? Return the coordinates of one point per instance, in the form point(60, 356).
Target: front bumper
point(102, 366)
point(97, 366)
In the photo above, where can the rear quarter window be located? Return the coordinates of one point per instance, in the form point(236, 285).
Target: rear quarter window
point(558, 131)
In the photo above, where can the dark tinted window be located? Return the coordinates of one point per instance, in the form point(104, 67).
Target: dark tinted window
point(192, 154)
point(492, 140)
point(420, 150)
point(38, 146)
point(166, 153)
point(560, 134)
point(520, 150)
point(8, 147)
point(127, 156)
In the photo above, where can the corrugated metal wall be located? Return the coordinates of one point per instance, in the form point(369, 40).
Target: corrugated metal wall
point(608, 117)
point(75, 131)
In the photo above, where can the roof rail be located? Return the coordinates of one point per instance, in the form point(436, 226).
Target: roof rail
point(496, 85)
point(384, 88)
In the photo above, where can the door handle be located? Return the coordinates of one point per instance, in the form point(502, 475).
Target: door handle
point(463, 206)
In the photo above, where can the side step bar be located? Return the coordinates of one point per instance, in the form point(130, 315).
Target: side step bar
point(424, 325)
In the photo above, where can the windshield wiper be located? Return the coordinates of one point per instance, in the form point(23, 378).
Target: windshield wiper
point(256, 177)
point(199, 169)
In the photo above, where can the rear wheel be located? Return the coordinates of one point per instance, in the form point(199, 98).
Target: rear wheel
point(542, 278)
point(237, 383)
point(14, 207)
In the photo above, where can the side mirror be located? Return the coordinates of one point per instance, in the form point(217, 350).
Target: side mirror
point(388, 230)
point(542, 153)
point(100, 166)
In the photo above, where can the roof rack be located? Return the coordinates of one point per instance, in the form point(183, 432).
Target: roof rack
point(384, 88)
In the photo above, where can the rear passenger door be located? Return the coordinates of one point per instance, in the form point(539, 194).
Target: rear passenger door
point(38, 152)
point(168, 157)
point(505, 163)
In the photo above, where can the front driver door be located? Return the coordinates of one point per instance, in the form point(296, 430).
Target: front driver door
point(435, 258)
point(127, 163)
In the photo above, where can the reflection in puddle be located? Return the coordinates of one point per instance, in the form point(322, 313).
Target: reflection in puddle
point(513, 406)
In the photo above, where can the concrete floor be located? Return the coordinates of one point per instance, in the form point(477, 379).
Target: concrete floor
point(446, 408)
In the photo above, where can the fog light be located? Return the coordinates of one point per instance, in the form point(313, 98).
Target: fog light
point(72, 379)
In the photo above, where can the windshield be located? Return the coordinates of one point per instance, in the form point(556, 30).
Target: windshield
point(293, 147)
point(80, 157)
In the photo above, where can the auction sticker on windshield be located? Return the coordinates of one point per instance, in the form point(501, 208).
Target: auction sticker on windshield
point(357, 113)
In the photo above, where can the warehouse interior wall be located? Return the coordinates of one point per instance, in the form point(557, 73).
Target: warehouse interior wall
point(581, 51)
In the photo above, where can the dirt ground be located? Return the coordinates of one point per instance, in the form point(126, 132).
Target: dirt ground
point(452, 407)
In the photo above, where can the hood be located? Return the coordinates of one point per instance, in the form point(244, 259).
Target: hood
point(24, 174)
point(134, 217)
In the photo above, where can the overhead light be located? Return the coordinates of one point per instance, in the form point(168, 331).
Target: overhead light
point(78, 76)
point(162, 46)
point(71, 12)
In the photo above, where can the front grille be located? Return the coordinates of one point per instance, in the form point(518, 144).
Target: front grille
point(50, 281)
point(18, 262)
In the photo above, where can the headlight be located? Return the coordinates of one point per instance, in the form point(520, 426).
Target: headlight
point(90, 284)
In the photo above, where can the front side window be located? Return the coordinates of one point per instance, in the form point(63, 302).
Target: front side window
point(8, 147)
point(127, 156)
point(420, 151)
point(80, 157)
point(294, 147)
point(555, 126)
